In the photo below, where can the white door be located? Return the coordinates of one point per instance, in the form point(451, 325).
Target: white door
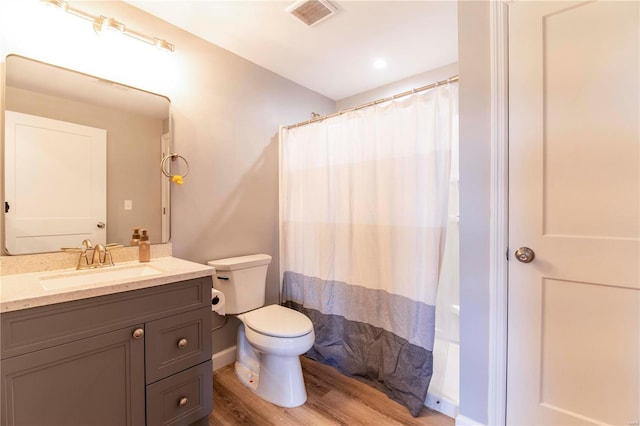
point(55, 184)
point(574, 199)
point(166, 189)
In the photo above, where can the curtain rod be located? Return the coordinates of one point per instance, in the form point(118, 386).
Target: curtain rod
point(379, 101)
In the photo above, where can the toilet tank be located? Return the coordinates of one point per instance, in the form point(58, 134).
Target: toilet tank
point(243, 281)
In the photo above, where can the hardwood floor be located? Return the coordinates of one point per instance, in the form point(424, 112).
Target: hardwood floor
point(333, 399)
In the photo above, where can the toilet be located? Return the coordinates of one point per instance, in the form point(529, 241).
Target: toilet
point(270, 338)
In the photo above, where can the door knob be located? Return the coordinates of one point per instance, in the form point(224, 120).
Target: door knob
point(525, 254)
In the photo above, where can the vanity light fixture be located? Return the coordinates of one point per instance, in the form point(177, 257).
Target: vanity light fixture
point(104, 23)
point(57, 3)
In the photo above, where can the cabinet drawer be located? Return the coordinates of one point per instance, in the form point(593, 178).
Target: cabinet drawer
point(33, 329)
point(181, 399)
point(176, 343)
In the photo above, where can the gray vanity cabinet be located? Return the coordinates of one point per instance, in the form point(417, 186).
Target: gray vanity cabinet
point(97, 380)
point(133, 358)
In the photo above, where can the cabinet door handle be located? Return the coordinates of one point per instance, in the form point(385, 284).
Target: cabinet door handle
point(138, 333)
point(182, 343)
point(183, 401)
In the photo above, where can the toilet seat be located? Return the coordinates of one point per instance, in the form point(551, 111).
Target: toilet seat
point(278, 321)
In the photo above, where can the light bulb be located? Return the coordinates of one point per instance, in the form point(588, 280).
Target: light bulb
point(379, 64)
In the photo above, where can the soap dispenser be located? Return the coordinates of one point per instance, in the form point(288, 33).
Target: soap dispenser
point(135, 237)
point(144, 248)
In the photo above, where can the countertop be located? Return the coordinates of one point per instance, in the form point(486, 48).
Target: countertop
point(23, 291)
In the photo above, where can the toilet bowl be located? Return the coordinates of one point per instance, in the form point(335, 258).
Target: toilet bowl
point(270, 339)
point(270, 342)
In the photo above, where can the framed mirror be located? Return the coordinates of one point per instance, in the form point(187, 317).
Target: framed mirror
point(81, 159)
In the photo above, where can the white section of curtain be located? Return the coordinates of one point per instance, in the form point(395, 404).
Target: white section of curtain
point(446, 365)
point(364, 195)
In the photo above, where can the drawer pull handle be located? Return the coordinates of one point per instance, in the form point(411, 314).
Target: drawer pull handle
point(182, 343)
point(183, 401)
point(138, 333)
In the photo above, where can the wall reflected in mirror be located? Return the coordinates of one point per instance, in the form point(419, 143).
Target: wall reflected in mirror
point(82, 159)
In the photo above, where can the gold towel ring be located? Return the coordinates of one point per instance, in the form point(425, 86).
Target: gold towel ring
point(173, 157)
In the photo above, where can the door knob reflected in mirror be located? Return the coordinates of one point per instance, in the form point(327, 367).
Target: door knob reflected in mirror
point(525, 254)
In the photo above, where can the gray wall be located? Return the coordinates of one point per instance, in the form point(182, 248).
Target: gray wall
point(226, 113)
point(475, 119)
point(413, 82)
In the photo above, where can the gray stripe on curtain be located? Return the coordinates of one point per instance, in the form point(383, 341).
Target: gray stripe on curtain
point(372, 355)
point(411, 320)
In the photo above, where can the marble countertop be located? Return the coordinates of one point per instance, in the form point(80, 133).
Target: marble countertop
point(28, 290)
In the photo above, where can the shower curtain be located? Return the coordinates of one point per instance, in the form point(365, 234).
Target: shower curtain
point(363, 213)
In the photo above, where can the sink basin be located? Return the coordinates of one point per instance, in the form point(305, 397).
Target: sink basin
point(96, 276)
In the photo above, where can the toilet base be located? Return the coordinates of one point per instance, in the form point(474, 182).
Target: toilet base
point(285, 390)
point(246, 376)
point(275, 378)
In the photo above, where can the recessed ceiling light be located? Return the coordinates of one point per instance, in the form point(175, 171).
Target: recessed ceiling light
point(380, 64)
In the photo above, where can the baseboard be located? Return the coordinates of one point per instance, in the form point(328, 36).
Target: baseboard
point(224, 358)
point(442, 405)
point(466, 421)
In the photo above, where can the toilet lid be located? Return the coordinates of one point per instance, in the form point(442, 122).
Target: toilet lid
point(278, 321)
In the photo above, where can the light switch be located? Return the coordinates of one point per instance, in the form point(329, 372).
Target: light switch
point(128, 204)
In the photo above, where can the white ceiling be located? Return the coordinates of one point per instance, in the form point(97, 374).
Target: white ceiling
point(335, 57)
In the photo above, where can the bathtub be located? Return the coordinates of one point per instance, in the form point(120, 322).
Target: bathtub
point(444, 389)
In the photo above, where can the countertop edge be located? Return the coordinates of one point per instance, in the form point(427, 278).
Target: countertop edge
point(191, 270)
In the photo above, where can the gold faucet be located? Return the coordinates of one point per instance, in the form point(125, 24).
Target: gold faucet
point(98, 255)
point(100, 258)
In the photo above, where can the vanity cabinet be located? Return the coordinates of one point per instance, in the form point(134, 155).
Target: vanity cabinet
point(131, 358)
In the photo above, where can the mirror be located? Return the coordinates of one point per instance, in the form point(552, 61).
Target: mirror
point(82, 159)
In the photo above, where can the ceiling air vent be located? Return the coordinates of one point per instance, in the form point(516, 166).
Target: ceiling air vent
point(311, 12)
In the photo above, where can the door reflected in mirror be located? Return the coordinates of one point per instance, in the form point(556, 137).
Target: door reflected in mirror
point(82, 159)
